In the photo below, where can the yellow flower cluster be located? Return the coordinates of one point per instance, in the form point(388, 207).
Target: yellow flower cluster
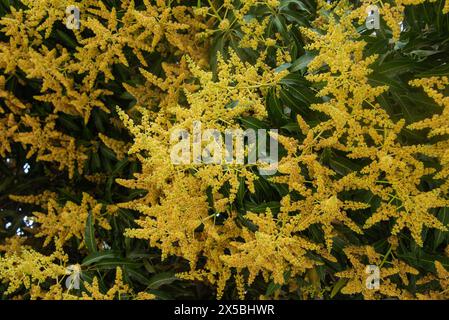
point(51, 145)
point(360, 258)
point(273, 249)
point(62, 223)
point(176, 214)
point(30, 268)
point(434, 87)
point(26, 267)
point(358, 126)
point(442, 278)
point(157, 27)
point(117, 146)
point(118, 291)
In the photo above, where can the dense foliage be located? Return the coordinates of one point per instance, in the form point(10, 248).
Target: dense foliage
point(89, 196)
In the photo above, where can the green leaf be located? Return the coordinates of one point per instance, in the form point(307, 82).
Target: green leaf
point(232, 104)
point(241, 192)
point(98, 256)
point(68, 122)
point(297, 17)
point(376, 46)
point(119, 166)
point(96, 163)
point(149, 267)
point(66, 39)
point(282, 67)
point(272, 288)
point(302, 62)
point(116, 262)
point(262, 207)
point(89, 234)
point(440, 236)
point(8, 213)
point(246, 223)
point(302, 94)
point(108, 153)
point(253, 123)
point(342, 165)
point(161, 279)
point(437, 71)
point(404, 106)
point(297, 3)
point(98, 121)
point(274, 108)
point(5, 184)
point(377, 79)
point(140, 277)
point(291, 127)
point(338, 286)
point(293, 79)
point(396, 67)
point(424, 260)
point(280, 25)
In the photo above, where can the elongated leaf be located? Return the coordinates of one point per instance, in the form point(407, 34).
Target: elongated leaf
point(262, 207)
point(342, 165)
point(89, 234)
point(253, 123)
point(440, 236)
point(98, 256)
point(396, 67)
point(274, 108)
point(119, 166)
point(437, 71)
point(377, 79)
point(338, 286)
point(161, 279)
point(69, 41)
point(302, 62)
point(116, 262)
point(272, 288)
point(279, 23)
point(424, 260)
point(139, 276)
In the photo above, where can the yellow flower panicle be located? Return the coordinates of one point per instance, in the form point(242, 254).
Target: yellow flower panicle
point(69, 220)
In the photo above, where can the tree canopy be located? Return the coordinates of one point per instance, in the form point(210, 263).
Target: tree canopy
point(93, 207)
